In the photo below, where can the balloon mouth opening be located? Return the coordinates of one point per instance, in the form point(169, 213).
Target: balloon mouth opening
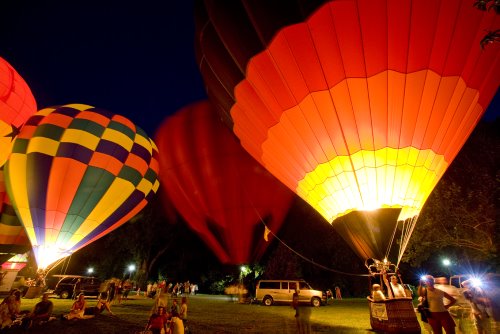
point(48, 257)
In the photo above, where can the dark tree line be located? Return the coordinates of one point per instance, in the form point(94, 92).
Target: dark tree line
point(461, 215)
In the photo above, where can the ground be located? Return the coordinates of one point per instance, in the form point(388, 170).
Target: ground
point(213, 314)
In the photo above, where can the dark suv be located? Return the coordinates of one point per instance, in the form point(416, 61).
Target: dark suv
point(64, 288)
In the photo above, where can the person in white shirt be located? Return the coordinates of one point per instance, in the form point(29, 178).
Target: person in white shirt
point(439, 316)
point(395, 290)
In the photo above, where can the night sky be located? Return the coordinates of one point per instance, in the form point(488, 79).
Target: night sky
point(131, 58)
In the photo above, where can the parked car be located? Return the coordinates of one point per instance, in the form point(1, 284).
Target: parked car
point(270, 291)
point(89, 285)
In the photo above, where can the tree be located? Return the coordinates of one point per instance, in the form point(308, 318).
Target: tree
point(462, 211)
point(158, 245)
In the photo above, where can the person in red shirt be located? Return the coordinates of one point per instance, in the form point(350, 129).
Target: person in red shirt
point(158, 321)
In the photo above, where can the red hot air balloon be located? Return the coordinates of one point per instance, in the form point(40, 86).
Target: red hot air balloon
point(357, 106)
point(77, 173)
point(222, 193)
point(17, 104)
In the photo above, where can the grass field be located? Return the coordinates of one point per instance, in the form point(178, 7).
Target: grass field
point(212, 314)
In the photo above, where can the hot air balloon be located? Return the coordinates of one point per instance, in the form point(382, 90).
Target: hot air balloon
point(222, 193)
point(359, 107)
point(17, 104)
point(77, 173)
point(13, 238)
point(16, 262)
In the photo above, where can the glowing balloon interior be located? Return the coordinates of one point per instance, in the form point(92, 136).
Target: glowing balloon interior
point(77, 173)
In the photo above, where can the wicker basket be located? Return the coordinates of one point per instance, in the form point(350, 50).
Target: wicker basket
point(394, 316)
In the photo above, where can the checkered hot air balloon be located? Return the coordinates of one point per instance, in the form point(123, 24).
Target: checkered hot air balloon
point(358, 106)
point(77, 173)
point(17, 104)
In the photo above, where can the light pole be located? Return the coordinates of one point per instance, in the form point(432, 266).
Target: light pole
point(131, 268)
point(447, 263)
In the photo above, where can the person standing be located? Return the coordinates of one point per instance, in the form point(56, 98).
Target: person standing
point(148, 289)
point(394, 289)
point(119, 292)
point(479, 306)
point(338, 295)
point(302, 315)
point(126, 287)
point(175, 307)
point(77, 288)
point(439, 316)
point(111, 291)
point(184, 312)
point(460, 311)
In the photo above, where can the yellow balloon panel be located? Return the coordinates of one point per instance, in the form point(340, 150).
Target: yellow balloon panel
point(86, 139)
point(118, 137)
point(353, 183)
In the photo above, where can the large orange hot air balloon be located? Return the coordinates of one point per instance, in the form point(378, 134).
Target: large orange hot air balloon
point(354, 105)
point(223, 194)
point(17, 104)
point(77, 173)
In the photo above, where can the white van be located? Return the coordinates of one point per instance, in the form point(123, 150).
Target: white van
point(271, 291)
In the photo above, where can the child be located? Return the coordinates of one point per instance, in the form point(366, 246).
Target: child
point(377, 294)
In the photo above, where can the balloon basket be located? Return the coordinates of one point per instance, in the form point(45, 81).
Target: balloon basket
point(394, 316)
point(33, 292)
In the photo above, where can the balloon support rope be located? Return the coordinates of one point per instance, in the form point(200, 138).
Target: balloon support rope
point(302, 256)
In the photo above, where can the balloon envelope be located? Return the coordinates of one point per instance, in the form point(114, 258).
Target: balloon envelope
point(354, 105)
point(13, 238)
point(77, 173)
point(17, 104)
point(222, 192)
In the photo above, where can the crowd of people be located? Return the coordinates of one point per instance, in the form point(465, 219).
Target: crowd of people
point(442, 306)
point(113, 291)
point(12, 315)
point(169, 313)
point(173, 321)
point(177, 289)
point(438, 307)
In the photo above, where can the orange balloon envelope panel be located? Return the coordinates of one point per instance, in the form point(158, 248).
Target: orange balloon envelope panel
point(17, 104)
point(354, 105)
point(222, 192)
point(13, 238)
point(77, 173)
